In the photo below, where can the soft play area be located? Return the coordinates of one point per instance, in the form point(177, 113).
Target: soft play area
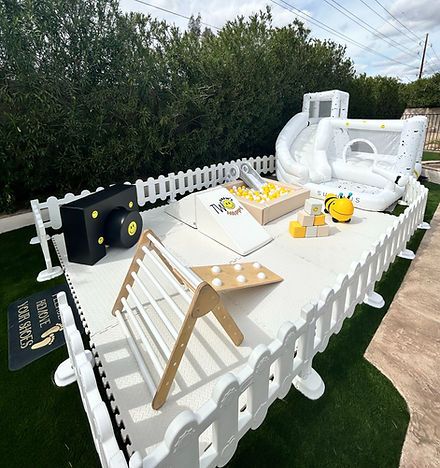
point(205, 295)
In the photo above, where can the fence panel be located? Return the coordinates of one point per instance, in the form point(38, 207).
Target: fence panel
point(163, 188)
point(432, 141)
point(278, 362)
point(99, 419)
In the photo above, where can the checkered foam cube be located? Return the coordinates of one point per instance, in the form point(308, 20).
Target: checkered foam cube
point(312, 231)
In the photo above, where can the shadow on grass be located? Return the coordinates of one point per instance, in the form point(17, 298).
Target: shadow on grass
point(361, 419)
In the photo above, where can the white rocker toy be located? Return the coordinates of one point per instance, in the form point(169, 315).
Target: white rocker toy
point(326, 152)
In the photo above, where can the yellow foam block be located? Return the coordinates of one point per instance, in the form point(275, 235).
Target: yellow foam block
point(296, 230)
point(323, 231)
point(319, 220)
point(305, 219)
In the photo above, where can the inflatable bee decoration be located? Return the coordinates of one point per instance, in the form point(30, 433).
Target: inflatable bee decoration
point(340, 208)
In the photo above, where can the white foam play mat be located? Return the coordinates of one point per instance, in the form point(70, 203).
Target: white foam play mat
point(306, 266)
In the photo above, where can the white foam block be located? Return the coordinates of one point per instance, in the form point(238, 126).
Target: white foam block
point(313, 207)
point(323, 231)
point(185, 209)
point(311, 231)
point(305, 219)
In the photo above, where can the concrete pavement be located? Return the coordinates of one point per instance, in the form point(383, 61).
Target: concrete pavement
point(406, 348)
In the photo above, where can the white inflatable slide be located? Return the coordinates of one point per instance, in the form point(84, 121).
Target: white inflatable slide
point(326, 152)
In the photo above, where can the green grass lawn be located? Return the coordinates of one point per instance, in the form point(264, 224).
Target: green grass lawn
point(360, 421)
point(431, 156)
point(42, 425)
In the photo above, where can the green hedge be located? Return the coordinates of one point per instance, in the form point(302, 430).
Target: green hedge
point(423, 93)
point(376, 97)
point(91, 96)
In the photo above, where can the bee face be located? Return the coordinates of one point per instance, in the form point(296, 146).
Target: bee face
point(228, 203)
point(343, 206)
point(340, 208)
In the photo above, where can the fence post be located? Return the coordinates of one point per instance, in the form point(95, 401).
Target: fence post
point(372, 298)
point(225, 425)
point(259, 360)
point(341, 292)
point(35, 206)
point(323, 322)
point(53, 206)
point(308, 382)
point(181, 442)
point(423, 224)
point(51, 271)
point(287, 335)
point(407, 253)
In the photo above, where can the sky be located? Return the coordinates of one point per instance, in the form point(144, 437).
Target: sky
point(394, 38)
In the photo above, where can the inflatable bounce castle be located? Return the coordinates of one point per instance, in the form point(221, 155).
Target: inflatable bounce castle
point(326, 152)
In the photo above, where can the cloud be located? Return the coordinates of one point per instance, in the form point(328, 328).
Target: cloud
point(216, 12)
point(418, 15)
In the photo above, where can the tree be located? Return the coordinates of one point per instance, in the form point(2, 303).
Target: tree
point(91, 96)
point(424, 92)
point(374, 97)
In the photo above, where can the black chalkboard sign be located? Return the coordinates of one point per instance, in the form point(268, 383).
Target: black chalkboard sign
point(34, 326)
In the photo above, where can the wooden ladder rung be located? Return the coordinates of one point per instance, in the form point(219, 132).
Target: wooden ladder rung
point(170, 327)
point(157, 337)
point(137, 355)
point(148, 348)
point(162, 291)
point(170, 277)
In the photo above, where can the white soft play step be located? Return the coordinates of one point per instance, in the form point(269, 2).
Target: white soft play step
point(219, 215)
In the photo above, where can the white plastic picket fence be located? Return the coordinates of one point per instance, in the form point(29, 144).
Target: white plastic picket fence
point(106, 445)
point(272, 369)
point(240, 401)
point(47, 214)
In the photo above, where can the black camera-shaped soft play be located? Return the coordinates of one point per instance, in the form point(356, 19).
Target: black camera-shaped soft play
point(109, 217)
